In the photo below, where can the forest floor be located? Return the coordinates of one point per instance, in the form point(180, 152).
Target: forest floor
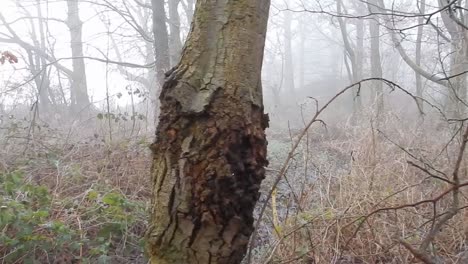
point(351, 194)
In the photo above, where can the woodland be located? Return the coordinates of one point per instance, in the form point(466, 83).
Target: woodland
point(234, 131)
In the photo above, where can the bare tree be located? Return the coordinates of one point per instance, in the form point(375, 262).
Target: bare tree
point(161, 39)
point(419, 84)
point(355, 69)
point(79, 87)
point(288, 54)
point(454, 22)
point(376, 64)
point(174, 37)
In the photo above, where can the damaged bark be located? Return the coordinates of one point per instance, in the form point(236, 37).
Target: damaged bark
point(210, 149)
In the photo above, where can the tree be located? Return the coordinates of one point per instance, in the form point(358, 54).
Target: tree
point(455, 24)
point(376, 64)
point(355, 69)
point(419, 83)
point(161, 39)
point(79, 87)
point(174, 37)
point(41, 55)
point(288, 54)
point(210, 148)
point(455, 78)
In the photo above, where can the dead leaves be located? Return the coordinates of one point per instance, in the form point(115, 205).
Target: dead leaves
point(8, 56)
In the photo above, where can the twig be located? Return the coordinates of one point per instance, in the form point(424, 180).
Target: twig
point(314, 119)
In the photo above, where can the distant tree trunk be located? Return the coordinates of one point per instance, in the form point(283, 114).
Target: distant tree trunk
point(161, 51)
point(41, 80)
point(79, 87)
point(288, 54)
point(45, 92)
point(419, 84)
point(161, 39)
point(457, 92)
point(353, 69)
point(458, 61)
point(376, 64)
point(174, 37)
point(359, 49)
point(210, 148)
point(36, 63)
point(303, 53)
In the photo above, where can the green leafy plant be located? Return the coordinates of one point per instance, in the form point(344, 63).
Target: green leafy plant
point(34, 227)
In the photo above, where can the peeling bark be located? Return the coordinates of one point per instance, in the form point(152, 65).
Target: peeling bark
point(210, 148)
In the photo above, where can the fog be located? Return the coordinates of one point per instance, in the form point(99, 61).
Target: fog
point(367, 105)
point(305, 55)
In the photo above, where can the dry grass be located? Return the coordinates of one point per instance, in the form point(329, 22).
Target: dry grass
point(339, 215)
point(337, 179)
point(75, 164)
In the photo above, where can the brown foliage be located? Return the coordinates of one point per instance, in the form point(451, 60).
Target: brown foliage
point(8, 56)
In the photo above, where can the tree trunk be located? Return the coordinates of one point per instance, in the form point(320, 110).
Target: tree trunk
point(161, 52)
point(376, 64)
point(174, 38)
point(36, 63)
point(161, 39)
point(456, 85)
point(288, 56)
point(359, 49)
point(79, 87)
point(351, 54)
point(210, 148)
point(302, 51)
point(45, 94)
point(419, 84)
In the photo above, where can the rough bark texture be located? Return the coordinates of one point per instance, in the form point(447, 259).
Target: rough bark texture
point(210, 148)
point(79, 88)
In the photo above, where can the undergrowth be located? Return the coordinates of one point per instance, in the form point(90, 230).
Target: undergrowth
point(67, 199)
point(100, 226)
